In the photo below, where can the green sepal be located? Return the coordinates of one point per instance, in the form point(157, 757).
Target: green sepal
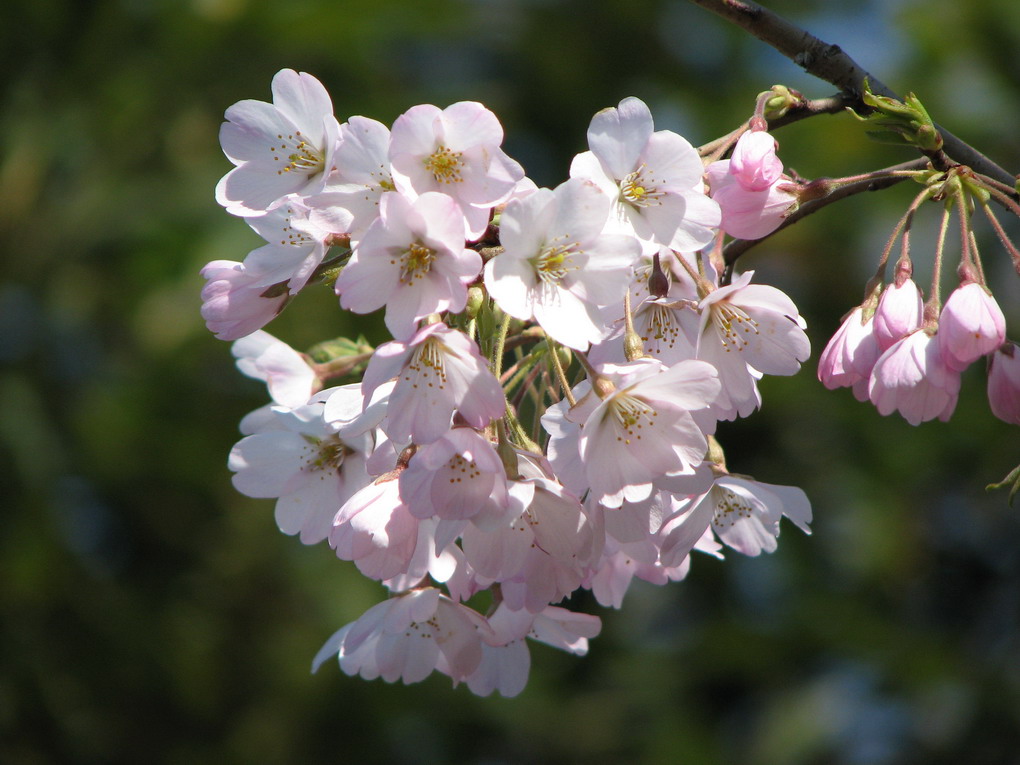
point(338, 348)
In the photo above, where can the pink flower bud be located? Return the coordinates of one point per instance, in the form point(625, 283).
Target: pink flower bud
point(850, 355)
point(754, 162)
point(1004, 383)
point(971, 325)
point(233, 302)
point(898, 314)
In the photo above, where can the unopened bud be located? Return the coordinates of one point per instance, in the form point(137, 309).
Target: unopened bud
point(658, 282)
point(780, 102)
point(633, 346)
point(928, 138)
point(475, 301)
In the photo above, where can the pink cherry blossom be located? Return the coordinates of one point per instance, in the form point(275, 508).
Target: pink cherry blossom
point(407, 637)
point(912, 378)
point(361, 177)
point(654, 177)
point(644, 430)
point(375, 530)
point(748, 214)
point(456, 151)
point(749, 187)
point(412, 260)
point(455, 477)
point(557, 267)
point(296, 236)
point(439, 371)
point(280, 148)
point(748, 330)
point(747, 513)
point(287, 373)
point(1004, 383)
point(298, 458)
point(971, 325)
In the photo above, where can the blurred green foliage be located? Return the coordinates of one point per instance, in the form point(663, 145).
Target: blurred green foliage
point(151, 614)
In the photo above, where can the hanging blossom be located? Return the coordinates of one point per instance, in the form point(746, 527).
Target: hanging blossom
point(911, 377)
point(305, 463)
point(744, 514)
point(235, 300)
point(971, 325)
point(850, 355)
point(1004, 383)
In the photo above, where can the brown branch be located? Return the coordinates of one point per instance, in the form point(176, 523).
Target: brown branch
point(738, 247)
point(829, 62)
point(811, 107)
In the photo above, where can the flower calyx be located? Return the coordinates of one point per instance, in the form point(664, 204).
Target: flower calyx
point(900, 122)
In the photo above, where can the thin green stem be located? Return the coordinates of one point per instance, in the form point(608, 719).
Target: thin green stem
point(934, 302)
point(497, 354)
point(560, 372)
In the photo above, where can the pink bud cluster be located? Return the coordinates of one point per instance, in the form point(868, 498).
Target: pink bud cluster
point(894, 357)
point(421, 474)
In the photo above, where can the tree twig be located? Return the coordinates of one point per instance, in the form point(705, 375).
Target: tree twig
point(738, 247)
point(828, 62)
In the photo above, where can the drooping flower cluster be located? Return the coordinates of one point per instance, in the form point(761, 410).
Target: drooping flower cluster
point(423, 474)
point(906, 355)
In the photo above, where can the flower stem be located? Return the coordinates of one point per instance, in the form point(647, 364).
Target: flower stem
point(934, 302)
point(560, 373)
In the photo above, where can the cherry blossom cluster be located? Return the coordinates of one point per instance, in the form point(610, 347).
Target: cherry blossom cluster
point(542, 420)
point(905, 354)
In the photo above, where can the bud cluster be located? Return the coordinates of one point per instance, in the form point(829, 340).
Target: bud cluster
point(588, 311)
point(905, 354)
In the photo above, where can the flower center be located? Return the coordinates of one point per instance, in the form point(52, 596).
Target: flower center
point(292, 235)
point(416, 262)
point(661, 328)
point(632, 415)
point(555, 261)
point(426, 368)
point(639, 190)
point(302, 158)
point(731, 509)
point(326, 454)
point(445, 165)
point(734, 325)
point(462, 469)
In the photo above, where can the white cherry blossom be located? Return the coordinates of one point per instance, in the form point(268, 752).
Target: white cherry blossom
point(557, 267)
point(281, 148)
point(654, 178)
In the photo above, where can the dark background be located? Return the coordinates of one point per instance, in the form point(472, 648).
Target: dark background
point(151, 614)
